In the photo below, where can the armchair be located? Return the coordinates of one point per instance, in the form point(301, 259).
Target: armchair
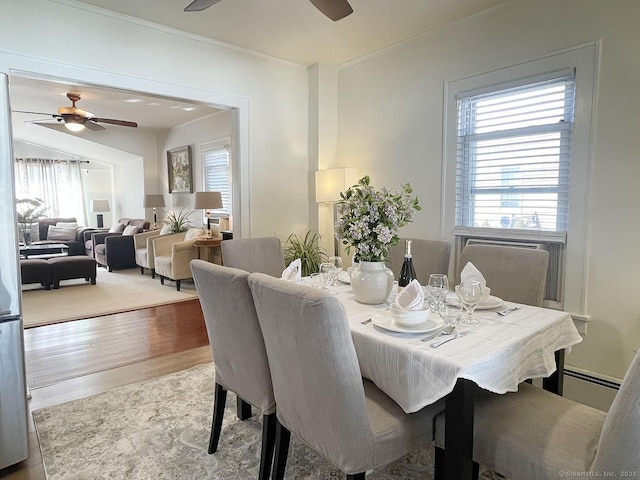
point(143, 244)
point(114, 250)
point(172, 254)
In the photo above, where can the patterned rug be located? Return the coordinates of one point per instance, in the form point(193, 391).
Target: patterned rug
point(160, 429)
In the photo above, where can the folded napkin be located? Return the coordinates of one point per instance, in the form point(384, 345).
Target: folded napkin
point(411, 297)
point(293, 273)
point(470, 272)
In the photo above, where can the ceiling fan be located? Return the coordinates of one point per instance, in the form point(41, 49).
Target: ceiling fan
point(76, 119)
point(334, 9)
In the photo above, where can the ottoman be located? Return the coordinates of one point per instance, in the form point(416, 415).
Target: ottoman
point(77, 266)
point(35, 271)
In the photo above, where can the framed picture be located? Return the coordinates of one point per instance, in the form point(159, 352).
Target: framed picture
point(180, 170)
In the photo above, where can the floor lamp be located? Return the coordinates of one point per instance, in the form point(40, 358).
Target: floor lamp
point(99, 207)
point(153, 201)
point(208, 201)
point(329, 185)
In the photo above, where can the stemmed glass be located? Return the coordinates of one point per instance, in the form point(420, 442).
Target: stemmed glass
point(327, 275)
point(438, 287)
point(469, 293)
point(337, 264)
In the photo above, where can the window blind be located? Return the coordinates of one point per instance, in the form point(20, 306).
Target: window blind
point(513, 156)
point(217, 176)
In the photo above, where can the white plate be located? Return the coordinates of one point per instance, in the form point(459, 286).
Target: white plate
point(488, 304)
point(385, 320)
point(343, 276)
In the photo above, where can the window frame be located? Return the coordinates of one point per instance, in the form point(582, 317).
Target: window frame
point(584, 60)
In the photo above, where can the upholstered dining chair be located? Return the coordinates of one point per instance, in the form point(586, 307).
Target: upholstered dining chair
point(261, 254)
point(320, 394)
point(429, 256)
point(238, 350)
point(533, 434)
point(515, 274)
point(171, 256)
point(143, 244)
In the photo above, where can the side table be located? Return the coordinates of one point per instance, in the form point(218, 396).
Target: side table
point(212, 249)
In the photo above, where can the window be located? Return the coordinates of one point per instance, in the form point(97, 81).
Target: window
point(513, 156)
point(216, 162)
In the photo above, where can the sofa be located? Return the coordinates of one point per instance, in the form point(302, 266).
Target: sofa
point(115, 248)
point(75, 242)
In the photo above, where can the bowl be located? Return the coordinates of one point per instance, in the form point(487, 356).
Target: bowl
point(409, 318)
point(486, 292)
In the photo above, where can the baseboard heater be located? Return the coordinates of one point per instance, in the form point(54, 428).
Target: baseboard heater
point(591, 379)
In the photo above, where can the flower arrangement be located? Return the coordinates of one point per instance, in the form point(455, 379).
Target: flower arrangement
point(370, 218)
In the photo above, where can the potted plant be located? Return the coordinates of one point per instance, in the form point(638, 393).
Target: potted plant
point(29, 210)
point(178, 222)
point(369, 223)
point(307, 249)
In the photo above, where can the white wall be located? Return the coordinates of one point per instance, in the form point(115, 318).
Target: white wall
point(271, 95)
point(391, 127)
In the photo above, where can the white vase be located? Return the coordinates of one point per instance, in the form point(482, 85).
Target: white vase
point(371, 282)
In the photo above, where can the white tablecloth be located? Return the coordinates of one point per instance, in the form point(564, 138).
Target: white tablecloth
point(499, 354)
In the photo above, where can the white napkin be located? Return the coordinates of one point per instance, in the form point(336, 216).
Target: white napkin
point(470, 272)
point(411, 297)
point(293, 273)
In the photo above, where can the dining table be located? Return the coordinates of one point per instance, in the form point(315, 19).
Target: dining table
point(496, 355)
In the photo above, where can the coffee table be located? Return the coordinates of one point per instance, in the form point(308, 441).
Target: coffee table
point(44, 251)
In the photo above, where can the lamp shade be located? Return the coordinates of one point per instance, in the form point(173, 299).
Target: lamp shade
point(100, 206)
point(330, 183)
point(153, 201)
point(208, 200)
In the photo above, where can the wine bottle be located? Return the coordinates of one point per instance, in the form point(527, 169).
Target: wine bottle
point(407, 273)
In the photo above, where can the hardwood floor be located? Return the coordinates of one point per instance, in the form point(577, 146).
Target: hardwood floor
point(71, 360)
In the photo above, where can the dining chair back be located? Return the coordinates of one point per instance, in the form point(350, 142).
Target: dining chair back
point(321, 395)
point(429, 256)
point(514, 274)
point(537, 435)
point(261, 254)
point(238, 349)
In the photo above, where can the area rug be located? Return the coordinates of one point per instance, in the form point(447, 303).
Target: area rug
point(114, 292)
point(160, 428)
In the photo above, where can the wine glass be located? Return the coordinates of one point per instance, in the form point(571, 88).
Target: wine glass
point(327, 275)
point(469, 293)
point(438, 286)
point(337, 263)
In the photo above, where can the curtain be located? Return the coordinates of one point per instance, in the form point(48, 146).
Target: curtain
point(57, 182)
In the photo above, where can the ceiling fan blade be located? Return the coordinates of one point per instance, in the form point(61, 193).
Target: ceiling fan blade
point(334, 9)
point(122, 123)
point(35, 113)
point(198, 5)
point(91, 125)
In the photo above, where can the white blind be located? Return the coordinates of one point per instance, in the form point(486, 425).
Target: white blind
point(513, 156)
point(217, 176)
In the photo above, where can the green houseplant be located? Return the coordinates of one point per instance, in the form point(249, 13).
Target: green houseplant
point(178, 222)
point(28, 211)
point(307, 249)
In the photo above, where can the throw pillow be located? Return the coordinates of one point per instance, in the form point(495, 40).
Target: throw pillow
point(165, 230)
point(61, 234)
point(117, 228)
point(194, 233)
point(130, 230)
point(67, 224)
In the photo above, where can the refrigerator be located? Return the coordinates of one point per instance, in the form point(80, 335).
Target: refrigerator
point(13, 392)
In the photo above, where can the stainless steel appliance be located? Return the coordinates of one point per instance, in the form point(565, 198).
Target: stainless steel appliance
point(13, 393)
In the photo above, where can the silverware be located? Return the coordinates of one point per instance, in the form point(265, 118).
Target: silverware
point(509, 310)
point(364, 322)
point(453, 337)
point(446, 331)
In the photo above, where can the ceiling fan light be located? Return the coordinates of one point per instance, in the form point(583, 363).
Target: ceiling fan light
point(74, 127)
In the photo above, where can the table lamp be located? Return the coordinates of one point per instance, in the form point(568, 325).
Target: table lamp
point(99, 207)
point(153, 201)
point(208, 201)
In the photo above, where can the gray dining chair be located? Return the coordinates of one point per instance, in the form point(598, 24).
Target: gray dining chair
point(515, 274)
point(261, 254)
point(319, 390)
point(238, 351)
point(533, 434)
point(429, 256)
